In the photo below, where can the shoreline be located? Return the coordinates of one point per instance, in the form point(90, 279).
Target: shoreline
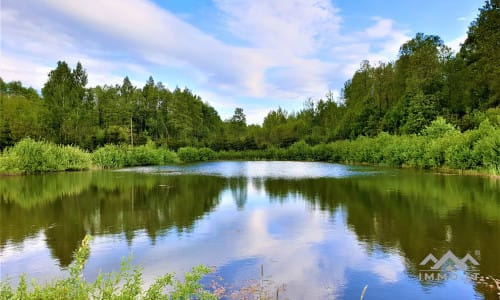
point(444, 171)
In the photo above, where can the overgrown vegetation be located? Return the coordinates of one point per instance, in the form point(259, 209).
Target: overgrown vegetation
point(439, 145)
point(127, 283)
point(29, 156)
point(399, 97)
point(116, 156)
point(191, 154)
point(383, 116)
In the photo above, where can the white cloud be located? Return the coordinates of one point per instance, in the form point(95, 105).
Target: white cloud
point(291, 50)
point(288, 26)
point(456, 43)
point(160, 37)
point(381, 29)
point(19, 69)
point(32, 43)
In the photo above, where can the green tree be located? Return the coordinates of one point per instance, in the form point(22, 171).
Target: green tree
point(481, 55)
point(64, 94)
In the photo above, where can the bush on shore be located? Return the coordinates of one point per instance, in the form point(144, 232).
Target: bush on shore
point(191, 154)
point(117, 156)
point(439, 145)
point(29, 156)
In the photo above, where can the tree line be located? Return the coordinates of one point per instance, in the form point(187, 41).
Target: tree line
point(400, 97)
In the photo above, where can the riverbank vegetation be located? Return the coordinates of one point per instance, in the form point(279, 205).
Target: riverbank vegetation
point(383, 116)
point(116, 156)
point(127, 283)
point(29, 156)
point(439, 146)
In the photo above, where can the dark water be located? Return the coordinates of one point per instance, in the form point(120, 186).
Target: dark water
point(320, 231)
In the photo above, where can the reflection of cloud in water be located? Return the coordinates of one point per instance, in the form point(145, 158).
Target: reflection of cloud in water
point(346, 234)
point(258, 169)
point(309, 252)
point(29, 257)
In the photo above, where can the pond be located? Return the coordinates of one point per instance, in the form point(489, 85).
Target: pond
point(309, 230)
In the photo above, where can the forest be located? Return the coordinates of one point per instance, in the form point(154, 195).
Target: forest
point(428, 96)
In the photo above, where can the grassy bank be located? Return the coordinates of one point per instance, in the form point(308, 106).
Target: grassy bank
point(439, 146)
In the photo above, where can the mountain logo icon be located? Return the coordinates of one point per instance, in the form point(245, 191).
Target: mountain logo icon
point(448, 260)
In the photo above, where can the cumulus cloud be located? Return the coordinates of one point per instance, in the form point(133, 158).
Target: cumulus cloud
point(455, 44)
point(33, 41)
point(290, 50)
point(288, 26)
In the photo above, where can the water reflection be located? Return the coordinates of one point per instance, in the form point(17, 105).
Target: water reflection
point(105, 203)
point(321, 236)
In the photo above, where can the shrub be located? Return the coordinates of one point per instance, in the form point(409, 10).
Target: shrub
point(205, 154)
point(321, 152)
point(168, 156)
point(340, 151)
point(299, 151)
point(460, 155)
point(8, 163)
point(487, 151)
point(435, 150)
point(438, 128)
point(191, 154)
point(117, 156)
point(75, 159)
point(145, 155)
point(413, 153)
point(29, 156)
point(110, 156)
point(188, 154)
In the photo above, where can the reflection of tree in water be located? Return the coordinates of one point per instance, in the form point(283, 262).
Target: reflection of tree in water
point(238, 186)
point(63, 239)
point(414, 214)
point(108, 203)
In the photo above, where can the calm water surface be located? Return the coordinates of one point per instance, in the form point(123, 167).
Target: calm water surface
point(320, 231)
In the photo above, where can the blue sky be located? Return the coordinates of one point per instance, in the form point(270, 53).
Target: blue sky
point(254, 54)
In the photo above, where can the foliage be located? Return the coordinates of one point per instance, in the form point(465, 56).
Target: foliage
point(191, 154)
point(428, 93)
point(438, 128)
point(29, 156)
point(127, 283)
point(299, 151)
point(110, 156)
point(116, 156)
point(439, 146)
